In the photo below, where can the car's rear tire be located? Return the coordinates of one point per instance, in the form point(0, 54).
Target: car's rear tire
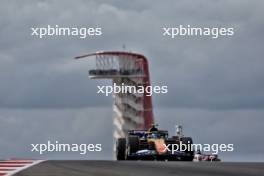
point(188, 141)
point(121, 149)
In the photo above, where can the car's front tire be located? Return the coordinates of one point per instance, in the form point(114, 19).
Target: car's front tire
point(121, 149)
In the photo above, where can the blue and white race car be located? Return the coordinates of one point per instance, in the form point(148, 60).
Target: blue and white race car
point(152, 145)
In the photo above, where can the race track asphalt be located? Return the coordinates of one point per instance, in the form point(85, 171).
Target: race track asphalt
point(142, 168)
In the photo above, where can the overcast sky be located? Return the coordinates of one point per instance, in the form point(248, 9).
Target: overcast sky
point(215, 86)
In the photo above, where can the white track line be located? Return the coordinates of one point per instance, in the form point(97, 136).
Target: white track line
point(12, 167)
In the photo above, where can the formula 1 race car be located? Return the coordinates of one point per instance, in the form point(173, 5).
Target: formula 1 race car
point(205, 157)
point(152, 145)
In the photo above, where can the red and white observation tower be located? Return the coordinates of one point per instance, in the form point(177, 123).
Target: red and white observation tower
point(132, 110)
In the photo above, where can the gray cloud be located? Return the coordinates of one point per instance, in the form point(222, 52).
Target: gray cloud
point(20, 128)
point(220, 73)
point(219, 79)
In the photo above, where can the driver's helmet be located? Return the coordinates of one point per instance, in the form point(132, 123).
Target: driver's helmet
point(153, 128)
